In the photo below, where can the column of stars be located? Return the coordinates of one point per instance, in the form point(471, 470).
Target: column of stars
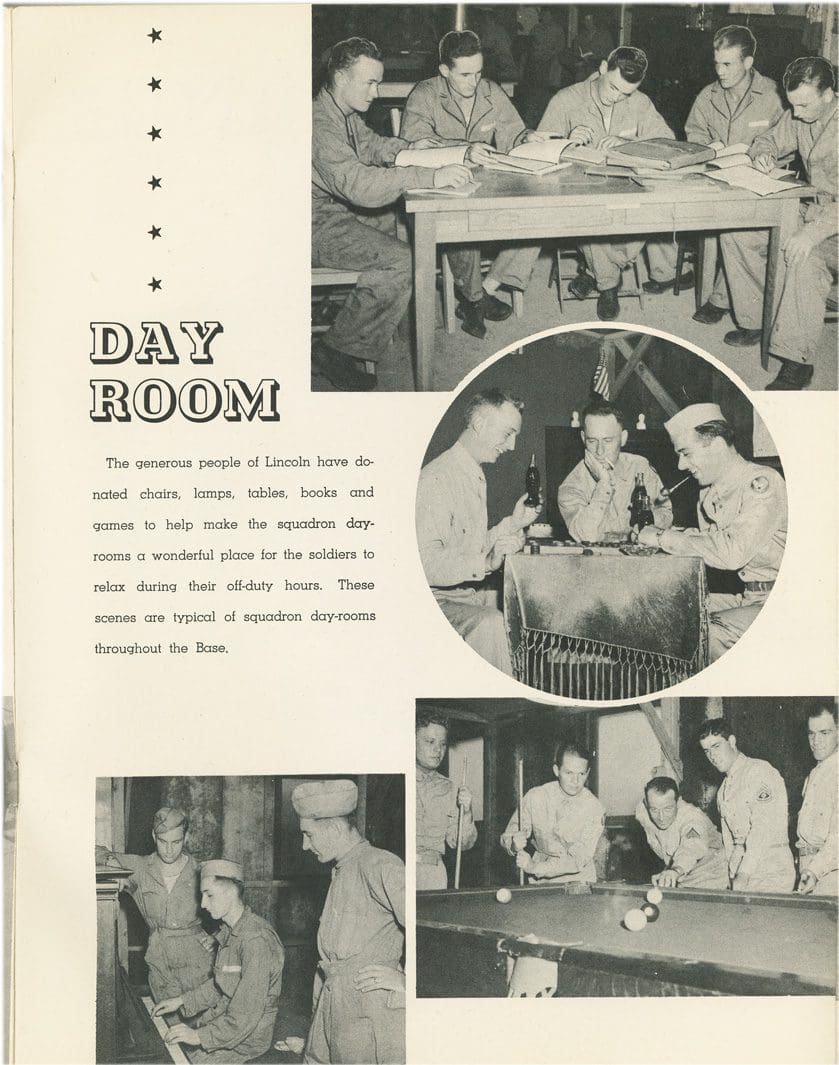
point(156, 85)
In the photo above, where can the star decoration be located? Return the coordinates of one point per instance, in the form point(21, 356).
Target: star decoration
point(155, 284)
point(156, 35)
point(154, 232)
point(154, 84)
point(154, 133)
point(155, 182)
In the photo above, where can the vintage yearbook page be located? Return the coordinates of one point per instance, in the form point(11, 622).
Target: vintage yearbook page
point(331, 470)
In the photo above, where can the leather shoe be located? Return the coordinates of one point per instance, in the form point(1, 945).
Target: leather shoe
point(607, 304)
point(657, 287)
point(793, 377)
point(470, 312)
point(582, 286)
point(709, 314)
point(494, 309)
point(340, 369)
point(743, 338)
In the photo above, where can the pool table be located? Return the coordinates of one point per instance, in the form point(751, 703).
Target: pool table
point(703, 943)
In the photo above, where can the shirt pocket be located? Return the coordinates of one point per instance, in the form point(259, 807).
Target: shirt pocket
point(228, 977)
point(630, 133)
point(759, 124)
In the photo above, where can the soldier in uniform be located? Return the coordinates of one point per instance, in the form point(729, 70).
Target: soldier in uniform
point(739, 106)
point(164, 885)
point(818, 835)
point(742, 519)
point(457, 550)
point(239, 1003)
point(439, 804)
point(683, 837)
point(359, 993)
point(811, 254)
point(354, 187)
point(752, 801)
point(458, 106)
point(607, 110)
point(595, 499)
point(564, 820)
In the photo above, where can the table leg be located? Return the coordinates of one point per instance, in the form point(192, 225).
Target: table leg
point(425, 249)
point(778, 236)
point(706, 267)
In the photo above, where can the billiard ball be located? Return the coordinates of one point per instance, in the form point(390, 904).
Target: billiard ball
point(635, 920)
point(503, 894)
point(655, 896)
point(650, 911)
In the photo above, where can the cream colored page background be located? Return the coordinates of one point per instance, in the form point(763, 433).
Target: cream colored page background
point(234, 159)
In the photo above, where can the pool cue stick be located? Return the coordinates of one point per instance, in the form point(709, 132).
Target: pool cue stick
point(521, 799)
point(460, 829)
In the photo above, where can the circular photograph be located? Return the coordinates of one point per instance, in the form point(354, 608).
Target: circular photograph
point(601, 513)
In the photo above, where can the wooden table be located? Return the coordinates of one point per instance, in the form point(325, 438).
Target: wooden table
point(570, 204)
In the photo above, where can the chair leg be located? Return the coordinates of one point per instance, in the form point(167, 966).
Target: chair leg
point(448, 295)
point(680, 262)
point(559, 277)
point(518, 302)
point(641, 276)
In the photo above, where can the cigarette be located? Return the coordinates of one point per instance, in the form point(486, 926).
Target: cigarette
point(667, 492)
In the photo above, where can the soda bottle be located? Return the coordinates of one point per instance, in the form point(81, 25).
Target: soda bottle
point(532, 483)
point(641, 511)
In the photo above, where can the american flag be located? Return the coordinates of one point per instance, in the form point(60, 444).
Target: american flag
point(600, 382)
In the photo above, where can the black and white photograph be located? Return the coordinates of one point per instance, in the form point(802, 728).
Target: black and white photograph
point(484, 172)
point(684, 846)
point(601, 514)
point(250, 919)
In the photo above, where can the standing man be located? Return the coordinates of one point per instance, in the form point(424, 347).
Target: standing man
point(458, 106)
point(164, 885)
point(240, 1002)
point(812, 253)
point(457, 550)
point(752, 801)
point(354, 187)
point(359, 992)
point(742, 514)
point(606, 110)
point(595, 499)
point(817, 827)
point(564, 820)
point(683, 837)
point(739, 106)
point(439, 804)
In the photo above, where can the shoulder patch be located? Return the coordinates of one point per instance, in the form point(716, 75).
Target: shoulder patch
point(692, 834)
point(760, 484)
point(764, 793)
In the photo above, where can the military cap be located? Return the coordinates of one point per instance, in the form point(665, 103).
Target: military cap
point(692, 416)
point(325, 798)
point(167, 818)
point(223, 867)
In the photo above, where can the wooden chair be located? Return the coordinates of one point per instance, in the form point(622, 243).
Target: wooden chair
point(638, 268)
point(337, 284)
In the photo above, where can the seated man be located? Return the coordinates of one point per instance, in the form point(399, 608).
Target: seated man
point(564, 820)
point(240, 1001)
point(354, 185)
point(439, 804)
point(818, 837)
point(752, 801)
point(739, 106)
point(359, 992)
point(607, 110)
point(595, 498)
point(457, 550)
point(683, 837)
point(460, 105)
point(742, 519)
point(812, 253)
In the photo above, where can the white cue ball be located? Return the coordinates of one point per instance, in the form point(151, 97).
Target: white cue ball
point(635, 920)
point(503, 894)
point(654, 896)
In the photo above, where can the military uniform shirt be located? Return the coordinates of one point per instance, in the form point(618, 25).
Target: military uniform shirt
point(631, 118)
point(817, 827)
point(431, 111)
point(752, 801)
point(710, 118)
point(437, 816)
point(692, 846)
point(565, 829)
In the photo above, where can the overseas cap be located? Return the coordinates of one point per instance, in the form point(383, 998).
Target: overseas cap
point(167, 818)
point(690, 417)
point(325, 798)
point(223, 867)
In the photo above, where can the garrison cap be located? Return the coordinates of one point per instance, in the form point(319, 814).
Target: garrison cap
point(223, 867)
point(325, 798)
point(692, 416)
point(167, 818)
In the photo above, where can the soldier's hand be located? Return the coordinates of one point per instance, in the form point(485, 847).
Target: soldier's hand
point(503, 546)
point(519, 841)
point(798, 247)
point(182, 1033)
point(765, 163)
point(427, 142)
point(536, 136)
point(522, 515)
point(452, 177)
point(666, 879)
point(479, 154)
point(464, 799)
point(581, 135)
point(648, 536)
point(610, 142)
point(807, 883)
point(167, 1005)
point(599, 469)
point(524, 861)
point(379, 978)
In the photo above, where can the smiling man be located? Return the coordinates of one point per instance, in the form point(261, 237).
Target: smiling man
point(742, 514)
point(457, 550)
point(752, 801)
point(818, 836)
point(359, 992)
point(683, 837)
